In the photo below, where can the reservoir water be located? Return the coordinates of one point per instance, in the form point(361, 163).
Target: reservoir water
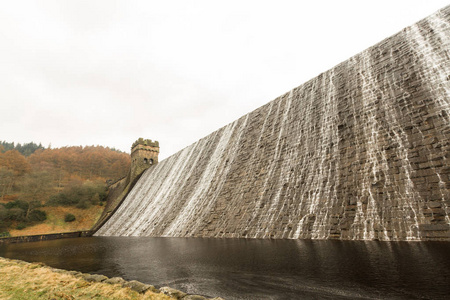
point(257, 269)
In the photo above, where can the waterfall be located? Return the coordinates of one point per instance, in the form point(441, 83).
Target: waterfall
point(359, 152)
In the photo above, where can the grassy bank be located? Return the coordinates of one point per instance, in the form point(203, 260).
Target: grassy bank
point(55, 221)
point(84, 220)
point(21, 280)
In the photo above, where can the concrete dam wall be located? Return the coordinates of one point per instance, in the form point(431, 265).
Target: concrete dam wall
point(359, 152)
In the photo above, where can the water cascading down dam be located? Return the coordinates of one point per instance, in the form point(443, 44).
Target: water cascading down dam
point(360, 152)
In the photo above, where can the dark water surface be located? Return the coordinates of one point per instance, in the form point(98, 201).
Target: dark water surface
point(257, 269)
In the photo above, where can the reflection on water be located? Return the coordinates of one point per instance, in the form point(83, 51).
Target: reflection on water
point(257, 269)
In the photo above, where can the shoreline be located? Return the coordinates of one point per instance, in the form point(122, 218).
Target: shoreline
point(24, 280)
point(45, 237)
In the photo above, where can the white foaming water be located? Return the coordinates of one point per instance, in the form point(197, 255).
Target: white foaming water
point(198, 205)
point(438, 64)
point(358, 152)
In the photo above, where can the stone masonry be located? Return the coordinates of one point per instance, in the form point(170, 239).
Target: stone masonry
point(144, 153)
point(360, 152)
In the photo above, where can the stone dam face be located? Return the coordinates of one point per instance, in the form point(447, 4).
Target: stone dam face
point(359, 152)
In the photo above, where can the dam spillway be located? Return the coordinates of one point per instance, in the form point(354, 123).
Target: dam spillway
point(359, 152)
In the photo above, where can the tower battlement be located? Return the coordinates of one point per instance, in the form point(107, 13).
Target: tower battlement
point(144, 153)
point(146, 142)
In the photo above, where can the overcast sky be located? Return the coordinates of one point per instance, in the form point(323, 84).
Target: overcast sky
point(108, 72)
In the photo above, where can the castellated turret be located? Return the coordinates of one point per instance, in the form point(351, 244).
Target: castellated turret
point(144, 153)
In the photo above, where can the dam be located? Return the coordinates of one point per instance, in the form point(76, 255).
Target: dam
point(359, 152)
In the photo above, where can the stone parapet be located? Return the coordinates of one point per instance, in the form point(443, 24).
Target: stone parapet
point(145, 142)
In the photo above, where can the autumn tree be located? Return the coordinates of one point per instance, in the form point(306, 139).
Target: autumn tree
point(91, 162)
point(36, 188)
point(15, 162)
point(6, 181)
point(13, 166)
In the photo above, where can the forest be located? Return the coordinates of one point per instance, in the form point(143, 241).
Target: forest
point(33, 179)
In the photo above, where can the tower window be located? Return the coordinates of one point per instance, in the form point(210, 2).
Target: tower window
point(148, 161)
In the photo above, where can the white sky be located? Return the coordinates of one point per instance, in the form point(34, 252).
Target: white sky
point(108, 72)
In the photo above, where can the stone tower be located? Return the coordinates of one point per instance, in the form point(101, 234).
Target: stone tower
point(144, 153)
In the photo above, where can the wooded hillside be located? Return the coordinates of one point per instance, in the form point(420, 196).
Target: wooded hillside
point(32, 177)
